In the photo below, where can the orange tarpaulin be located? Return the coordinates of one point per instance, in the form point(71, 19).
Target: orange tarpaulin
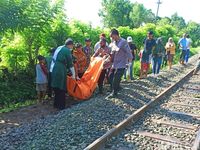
point(83, 88)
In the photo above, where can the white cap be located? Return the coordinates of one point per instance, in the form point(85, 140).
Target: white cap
point(129, 39)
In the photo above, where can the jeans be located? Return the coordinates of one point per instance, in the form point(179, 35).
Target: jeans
point(131, 71)
point(182, 57)
point(116, 76)
point(187, 55)
point(157, 61)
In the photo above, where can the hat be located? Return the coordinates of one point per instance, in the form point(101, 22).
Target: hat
point(69, 41)
point(129, 39)
point(87, 40)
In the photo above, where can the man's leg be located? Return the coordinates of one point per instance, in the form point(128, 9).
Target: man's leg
point(159, 62)
point(117, 79)
point(101, 79)
point(56, 97)
point(61, 99)
point(154, 64)
point(131, 70)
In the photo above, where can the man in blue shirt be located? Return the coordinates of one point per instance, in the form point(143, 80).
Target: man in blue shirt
point(183, 45)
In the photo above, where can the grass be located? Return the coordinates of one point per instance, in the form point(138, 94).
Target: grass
point(18, 105)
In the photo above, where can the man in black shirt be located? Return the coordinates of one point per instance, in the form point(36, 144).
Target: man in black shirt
point(133, 48)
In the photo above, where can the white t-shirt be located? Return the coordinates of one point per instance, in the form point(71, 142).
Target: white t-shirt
point(189, 42)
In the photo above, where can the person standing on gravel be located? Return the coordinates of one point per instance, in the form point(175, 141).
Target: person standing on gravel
point(189, 42)
point(104, 52)
point(183, 45)
point(157, 55)
point(131, 65)
point(121, 56)
point(170, 51)
point(149, 46)
point(60, 65)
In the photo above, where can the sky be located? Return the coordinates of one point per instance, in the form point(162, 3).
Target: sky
point(87, 10)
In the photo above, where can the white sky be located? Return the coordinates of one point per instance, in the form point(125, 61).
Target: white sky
point(87, 10)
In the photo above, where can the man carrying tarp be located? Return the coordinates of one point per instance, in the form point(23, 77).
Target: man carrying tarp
point(61, 63)
point(103, 51)
point(121, 56)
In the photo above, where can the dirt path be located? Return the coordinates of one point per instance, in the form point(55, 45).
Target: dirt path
point(24, 115)
point(27, 114)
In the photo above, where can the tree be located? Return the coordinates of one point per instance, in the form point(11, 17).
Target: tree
point(193, 29)
point(33, 24)
point(178, 22)
point(139, 15)
point(115, 13)
point(164, 21)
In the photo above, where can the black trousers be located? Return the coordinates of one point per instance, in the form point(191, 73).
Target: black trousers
point(59, 100)
point(49, 85)
point(101, 79)
point(116, 76)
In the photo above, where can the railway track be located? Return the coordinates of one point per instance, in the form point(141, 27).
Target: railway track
point(170, 121)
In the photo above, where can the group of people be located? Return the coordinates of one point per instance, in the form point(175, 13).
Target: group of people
point(74, 59)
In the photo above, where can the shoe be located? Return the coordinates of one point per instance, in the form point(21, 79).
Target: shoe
point(112, 95)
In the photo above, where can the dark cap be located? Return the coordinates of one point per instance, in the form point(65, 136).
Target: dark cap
point(69, 41)
point(40, 57)
point(87, 40)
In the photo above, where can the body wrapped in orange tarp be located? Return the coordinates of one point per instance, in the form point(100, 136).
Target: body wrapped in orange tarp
point(83, 88)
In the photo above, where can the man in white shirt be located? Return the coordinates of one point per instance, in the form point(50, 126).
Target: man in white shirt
point(189, 42)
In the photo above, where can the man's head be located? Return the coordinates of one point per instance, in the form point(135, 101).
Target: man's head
point(150, 35)
point(88, 42)
point(78, 46)
point(102, 42)
point(129, 39)
point(170, 40)
point(114, 34)
point(184, 35)
point(41, 59)
point(69, 43)
point(102, 36)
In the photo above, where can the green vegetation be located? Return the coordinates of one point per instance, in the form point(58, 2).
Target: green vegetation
point(32, 27)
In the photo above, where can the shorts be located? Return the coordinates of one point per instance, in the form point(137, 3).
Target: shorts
point(41, 87)
point(144, 66)
point(170, 57)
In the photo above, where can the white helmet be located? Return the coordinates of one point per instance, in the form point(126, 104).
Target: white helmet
point(129, 39)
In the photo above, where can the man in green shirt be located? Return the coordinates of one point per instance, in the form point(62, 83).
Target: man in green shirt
point(60, 65)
